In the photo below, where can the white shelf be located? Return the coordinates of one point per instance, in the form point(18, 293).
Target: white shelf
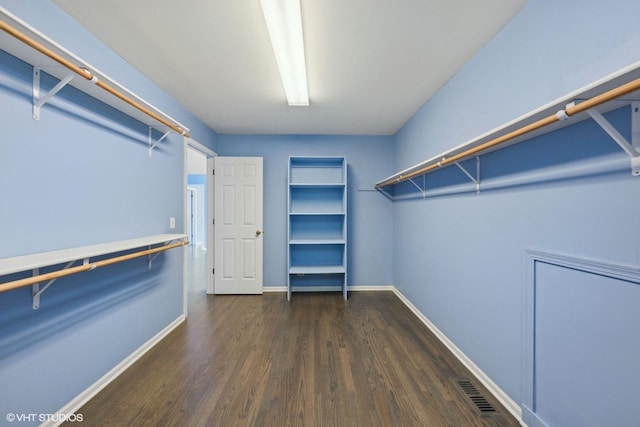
point(316, 185)
point(317, 213)
point(70, 256)
point(44, 259)
point(317, 269)
point(317, 242)
point(610, 82)
point(22, 51)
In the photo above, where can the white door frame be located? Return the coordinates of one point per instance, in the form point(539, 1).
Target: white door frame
point(210, 154)
point(192, 206)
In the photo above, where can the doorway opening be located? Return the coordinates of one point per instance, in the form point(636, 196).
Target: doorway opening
point(198, 223)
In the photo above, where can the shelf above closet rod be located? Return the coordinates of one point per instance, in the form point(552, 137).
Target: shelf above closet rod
point(34, 262)
point(601, 96)
point(28, 44)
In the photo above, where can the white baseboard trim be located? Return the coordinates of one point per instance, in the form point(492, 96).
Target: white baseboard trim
point(76, 403)
point(531, 419)
point(499, 394)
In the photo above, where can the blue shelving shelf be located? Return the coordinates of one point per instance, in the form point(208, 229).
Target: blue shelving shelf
point(317, 224)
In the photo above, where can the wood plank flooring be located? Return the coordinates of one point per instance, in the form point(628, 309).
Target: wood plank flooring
point(314, 361)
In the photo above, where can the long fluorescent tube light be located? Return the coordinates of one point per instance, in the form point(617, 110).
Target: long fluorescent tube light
point(284, 22)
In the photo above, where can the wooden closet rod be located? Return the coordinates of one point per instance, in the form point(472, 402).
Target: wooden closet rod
point(86, 74)
point(610, 95)
point(85, 267)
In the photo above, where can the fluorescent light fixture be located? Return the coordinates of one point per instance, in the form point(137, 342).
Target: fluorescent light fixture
point(284, 23)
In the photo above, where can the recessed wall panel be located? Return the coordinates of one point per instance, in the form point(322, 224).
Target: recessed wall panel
point(585, 332)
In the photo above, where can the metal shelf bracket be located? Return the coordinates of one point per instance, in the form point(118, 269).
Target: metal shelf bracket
point(36, 290)
point(632, 149)
point(154, 256)
point(476, 179)
point(152, 144)
point(151, 258)
point(422, 189)
point(39, 101)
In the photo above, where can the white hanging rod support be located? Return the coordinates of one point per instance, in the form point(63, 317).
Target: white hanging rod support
point(154, 256)
point(613, 133)
point(635, 124)
point(475, 180)
point(152, 146)
point(627, 147)
point(417, 186)
point(478, 174)
point(564, 114)
point(424, 185)
point(50, 282)
point(40, 101)
point(386, 193)
point(62, 83)
point(37, 291)
point(88, 75)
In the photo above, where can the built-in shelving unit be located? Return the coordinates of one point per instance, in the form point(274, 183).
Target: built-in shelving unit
point(33, 262)
point(28, 44)
point(317, 224)
point(590, 102)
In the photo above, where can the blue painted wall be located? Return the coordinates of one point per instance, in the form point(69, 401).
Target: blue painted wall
point(81, 175)
point(459, 257)
point(197, 179)
point(370, 215)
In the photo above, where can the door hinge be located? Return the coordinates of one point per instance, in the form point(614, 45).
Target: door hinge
point(214, 271)
point(214, 172)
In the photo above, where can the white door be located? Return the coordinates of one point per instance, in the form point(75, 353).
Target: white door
point(238, 225)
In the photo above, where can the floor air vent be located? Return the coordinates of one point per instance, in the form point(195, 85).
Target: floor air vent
point(476, 397)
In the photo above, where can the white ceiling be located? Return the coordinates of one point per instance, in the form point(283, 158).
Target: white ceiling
point(370, 63)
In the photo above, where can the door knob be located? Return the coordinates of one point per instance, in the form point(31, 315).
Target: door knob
point(258, 232)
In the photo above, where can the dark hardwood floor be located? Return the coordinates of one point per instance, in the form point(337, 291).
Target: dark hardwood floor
point(315, 361)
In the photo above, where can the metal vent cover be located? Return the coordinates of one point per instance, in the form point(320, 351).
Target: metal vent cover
point(476, 397)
